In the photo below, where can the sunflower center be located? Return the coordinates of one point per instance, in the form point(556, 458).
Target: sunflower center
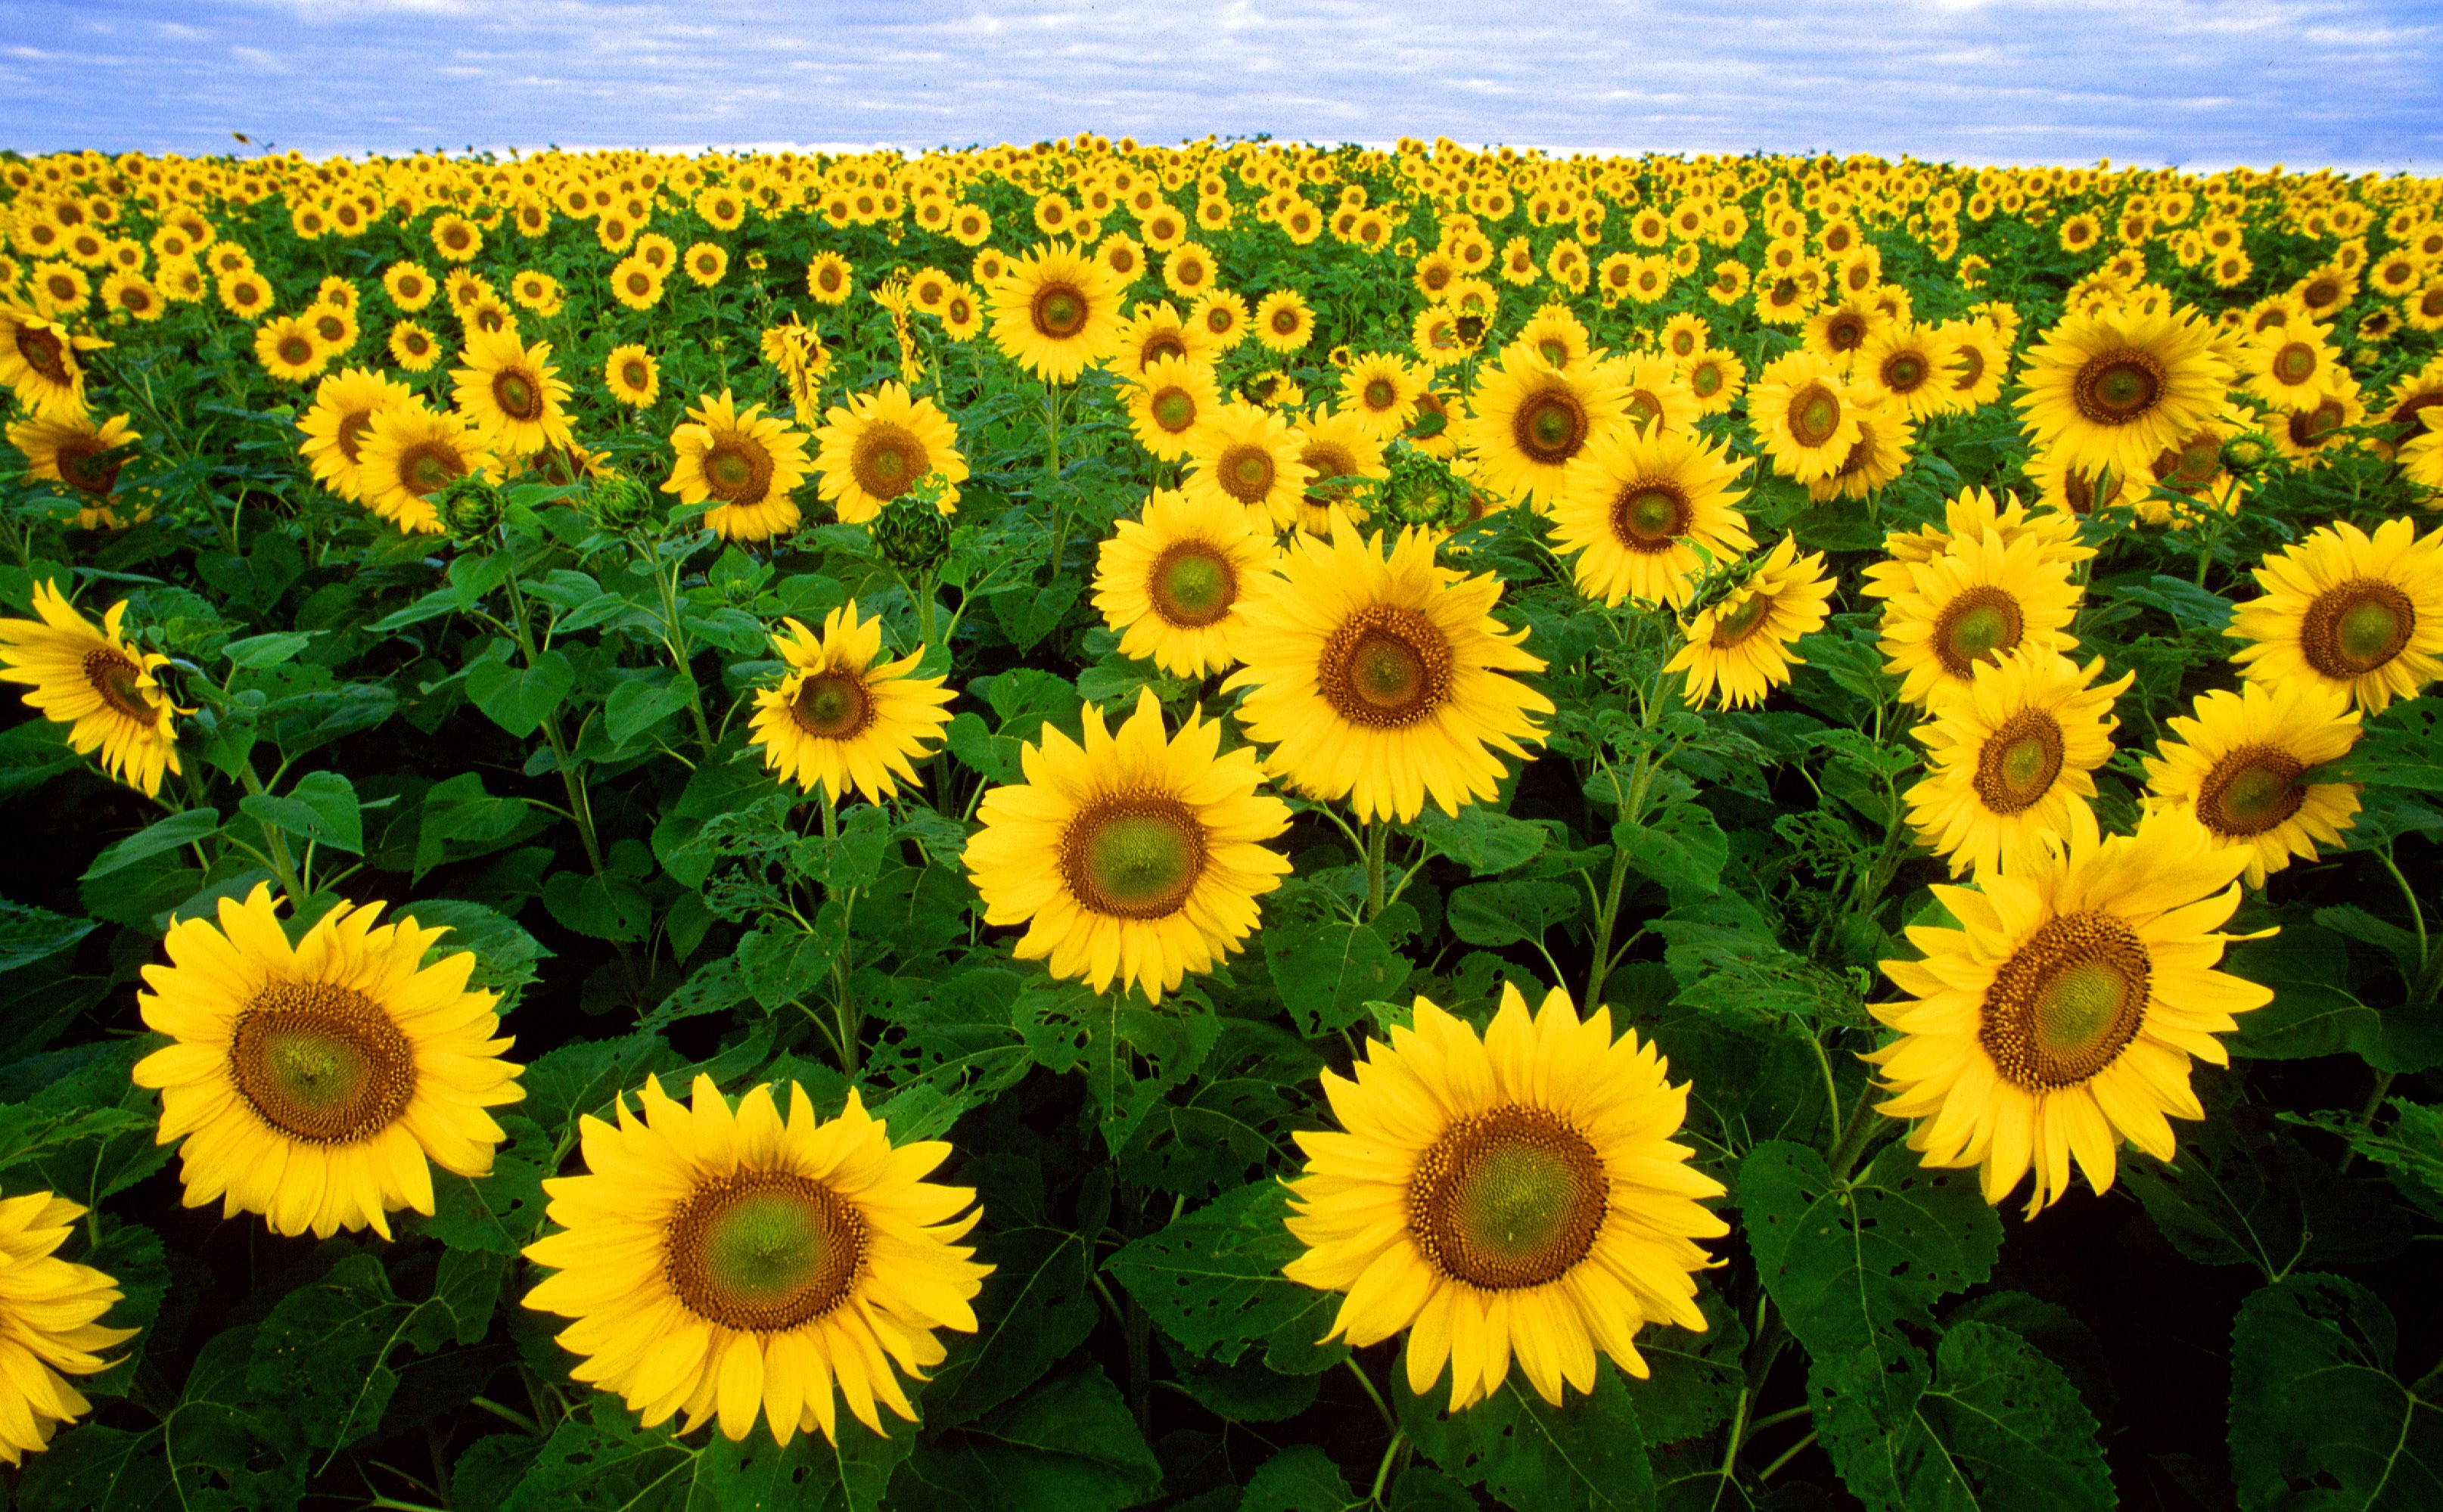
point(296, 350)
point(1384, 668)
point(2294, 364)
point(1246, 473)
point(633, 376)
point(1972, 367)
point(1133, 857)
point(1648, 513)
point(1706, 380)
point(889, 460)
point(1059, 311)
point(1285, 321)
point(738, 470)
point(2352, 629)
point(2191, 467)
point(516, 395)
point(89, 466)
point(1508, 1198)
point(832, 705)
point(1978, 625)
point(1845, 332)
point(1381, 394)
point(1164, 344)
point(763, 1252)
point(119, 681)
point(320, 1063)
point(2019, 761)
point(427, 465)
point(2065, 1006)
point(1326, 460)
point(350, 435)
point(1551, 427)
point(1741, 620)
point(1905, 372)
point(44, 351)
point(1644, 409)
point(1192, 585)
point(2117, 387)
point(2250, 790)
point(1173, 410)
point(2313, 427)
point(1814, 416)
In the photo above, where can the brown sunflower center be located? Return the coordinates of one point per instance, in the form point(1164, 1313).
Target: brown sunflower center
point(2357, 627)
point(1511, 1197)
point(1648, 513)
point(1550, 427)
point(2250, 791)
point(1173, 410)
point(117, 681)
point(1162, 344)
point(2067, 1003)
point(2311, 428)
point(1246, 473)
point(295, 349)
point(1286, 321)
point(1135, 857)
point(2197, 463)
point(1905, 372)
point(1972, 368)
point(349, 436)
point(1192, 585)
point(1059, 311)
point(1814, 416)
point(1327, 461)
point(1219, 320)
point(1846, 331)
point(90, 466)
point(889, 459)
point(1706, 380)
point(320, 1063)
point(428, 465)
point(1384, 668)
point(2117, 387)
point(1380, 393)
point(832, 705)
point(2294, 364)
point(633, 376)
point(737, 471)
point(519, 396)
point(763, 1252)
point(1978, 625)
point(1738, 621)
point(2018, 763)
point(1645, 407)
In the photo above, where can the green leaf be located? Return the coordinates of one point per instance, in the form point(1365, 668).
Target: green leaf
point(131, 1255)
point(1481, 837)
point(1328, 968)
point(601, 907)
point(1299, 1479)
point(1212, 1281)
point(583, 1077)
point(266, 650)
point(29, 934)
point(2237, 1192)
point(1027, 615)
point(499, 1211)
point(1682, 848)
point(1588, 1453)
point(1069, 1446)
point(224, 1446)
point(636, 706)
point(505, 956)
point(2314, 1013)
point(1696, 1378)
point(322, 808)
point(2319, 1422)
point(520, 699)
point(2411, 1151)
point(597, 1458)
point(460, 821)
point(2011, 1432)
point(325, 1351)
point(173, 833)
point(1494, 913)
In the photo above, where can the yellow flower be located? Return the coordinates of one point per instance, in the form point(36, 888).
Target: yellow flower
point(1131, 858)
point(1885, 436)
point(1168, 401)
point(1638, 506)
point(1335, 446)
point(1908, 370)
point(336, 426)
point(632, 376)
point(1980, 600)
point(880, 446)
point(96, 683)
point(744, 459)
point(409, 286)
point(1283, 323)
point(736, 1266)
point(286, 348)
point(2292, 367)
point(1741, 645)
point(2118, 387)
point(2236, 767)
point(636, 282)
point(2008, 756)
point(1529, 420)
point(1057, 311)
point(1806, 418)
point(51, 1327)
point(312, 1082)
point(1381, 390)
point(2358, 613)
point(1249, 457)
point(843, 718)
point(1155, 332)
point(1519, 1197)
point(82, 456)
point(1176, 582)
point(411, 452)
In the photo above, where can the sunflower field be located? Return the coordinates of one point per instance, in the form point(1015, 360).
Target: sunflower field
point(1237, 827)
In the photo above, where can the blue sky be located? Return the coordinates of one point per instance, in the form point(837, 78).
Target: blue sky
point(2355, 84)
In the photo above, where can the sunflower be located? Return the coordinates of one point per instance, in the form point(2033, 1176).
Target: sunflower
point(1639, 505)
point(1554, 335)
point(744, 459)
point(96, 683)
point(313, 1082)
point(632, 376)
point(2116, 388)
point(1167, 402)
point(1654, 393)
point(636, 284)
point(51, 1327)
point(409, 287)
point(333, 328)
point(705, 262)
point(1716, 379)
point(842, 718)
point(513, 393)
point(1381, 390)
point(2292, 366)
point(1519, 1195)
point(1741, 645)
point(1057, 311)
point(1175, 582)
point(1155, 332)
point(1132, 857)
point(880, 446)
point(1283, 321)
point(1529, 420)
point(1804, 416)
point(1248, 456)
point(1977, 602)
point(79, 455)
point(1968, 516)
point(2356, 613)
point(285, 347)
point(2059, 1018)
point(1188, 270)
point(1908, 368)
point(732, 1265)
point(2008, 756)
point(1980, 361)
point(1335, 446)
point(830, 279)
point(1378, 675)
point(336, 426)
point(408, 453)
point(963, 314)
point(1885, 437)
point(2236, 767)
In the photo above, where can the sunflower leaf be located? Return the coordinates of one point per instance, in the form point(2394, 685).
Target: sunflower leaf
point(1213, 1282)
point(2318, 1417)
point(1585, 1455)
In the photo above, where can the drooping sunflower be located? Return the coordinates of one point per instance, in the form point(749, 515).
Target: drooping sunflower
point(632, 376)
point(1977, 602)
point(734, 1265)
point(1340, 457)
point(513, 392)
point(1175, 581)
point(1131, 858)
point(881, 445)
point(2236, 767)
point(50, 1322)
point(843, 718)
point(2008, 756)
point(1250, 456)
point(1520, 1196)
point(2353, 611)
point(408, 452)
point(1638, 506)
point(748, 459)
point(1167, 402)
point(1804, 416)
point(2116, 387)
point(79, 455)
point(1529, 420)
point(1740, 646)
point(1378, 675)
point(96, 683)
point(1056, 311)
point(336, 426)
point(312, 1084)
point(1379, 389)
point(2059, 1018)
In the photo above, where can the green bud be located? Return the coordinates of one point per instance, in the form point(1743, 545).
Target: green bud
point(1422, 490)
point(912, 533)
point(739, 591)
point(2244, 454)
point(469, 506)
point(618, 501)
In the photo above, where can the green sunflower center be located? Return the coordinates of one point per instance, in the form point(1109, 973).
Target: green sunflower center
point(1741, 620)
point(1133, 857)
point(2067, 1003)
point(763, 1252)
point(1059, 311)
point(2294, 364)
point(427, 466)
point(1192, 585)
point(320, 1063)
point(1507, 1198)
point(1173, 410)
point(1649, 514)
point(1905, 372)
point(2351, 629)
point(1706, 380)
point(1972, 367)
point(1384, 668)
point(1381, 394)
point(737, 471)
point(1978, 625)
point(2117, 387)
point(888, 460)
point(2250, 791)
point(1814, 416)
point(1550, 427)
point(2019, 761)
point(1246, 473)
point(517, 396)
point(1846, 331)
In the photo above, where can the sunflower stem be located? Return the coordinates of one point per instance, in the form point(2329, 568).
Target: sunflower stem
point(1854, 1140)
point(509, 1415)
point(1382, 1472)
point(1378, 842)
point(1731, 1448)
point(1390, 1419)
point(1787, 1455)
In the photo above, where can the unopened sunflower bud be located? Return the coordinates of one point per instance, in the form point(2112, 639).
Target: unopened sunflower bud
point(618, 501)
point(1422, 491)
point(469, 506)
point(2243, 454)
point(739, 591)
point(912, 533)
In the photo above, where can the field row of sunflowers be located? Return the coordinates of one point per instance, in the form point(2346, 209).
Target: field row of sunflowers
point(1240, 826)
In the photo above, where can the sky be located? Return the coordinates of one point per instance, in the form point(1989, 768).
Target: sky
point(2197, 84)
